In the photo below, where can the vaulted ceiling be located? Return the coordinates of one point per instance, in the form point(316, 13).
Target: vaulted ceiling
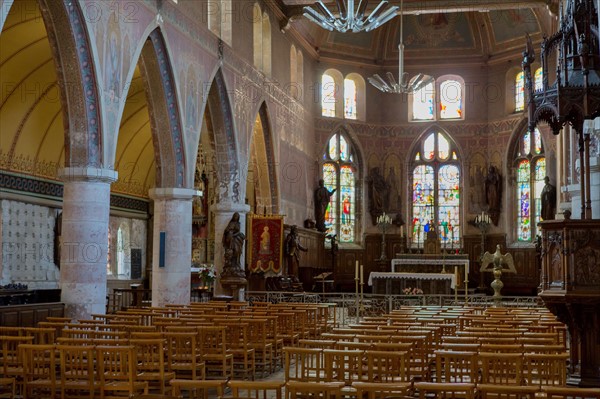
point(466, 31)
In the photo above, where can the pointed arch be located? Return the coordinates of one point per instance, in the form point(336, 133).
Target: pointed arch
point(220, 117)
point(340, 169)
point(165, 118)
point(435, 175)
point(261, 188)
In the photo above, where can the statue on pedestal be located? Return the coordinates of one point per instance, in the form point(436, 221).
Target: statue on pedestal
point(493, 193)
point(233, 245)
point(548, 200)
point(292, 251)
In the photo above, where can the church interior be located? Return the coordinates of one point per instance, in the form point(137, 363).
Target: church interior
point(293, 187)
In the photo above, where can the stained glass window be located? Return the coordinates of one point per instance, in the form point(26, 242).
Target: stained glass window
point(436, 192)
point(339, 173)
point(524, 201)
point(450, 99)
point(537, 78)
point(328, 96)
point(530, 165)
point(519, 92)
point(349, 99)
point(423, 103)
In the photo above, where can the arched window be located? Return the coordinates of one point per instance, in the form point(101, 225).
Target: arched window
point(300, 75)
point(450, 99)
point(339, 173)
point(537, 78)
point(328, 95)
point(343, 97)
point(257, 36)
point(261, 30)
point(530, 164)
point(422, 103)
point(519, 92)
point(349, 99)
point(293, 72)
point(219, 19)
point(266, 47)
point(436, 181)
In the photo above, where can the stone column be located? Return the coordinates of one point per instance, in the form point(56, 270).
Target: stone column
point(222, 213)
point(171, 273)
point(84, 242)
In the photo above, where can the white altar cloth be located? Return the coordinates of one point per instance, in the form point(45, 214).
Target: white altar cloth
point(445, 262)
point(417, 276)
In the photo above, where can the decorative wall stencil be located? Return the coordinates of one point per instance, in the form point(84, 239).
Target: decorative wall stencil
point(28, 245)
point(438, 30)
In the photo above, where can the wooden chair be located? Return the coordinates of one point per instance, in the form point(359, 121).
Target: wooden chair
point(39, 371)
point(237, 343)
point(571, 393)
point(117, 368)
point(197, 388)
point(494, 391)
point(456, 367)
point(42, 336)
point(381, 390)
point(214, 351)
point(150, 356)
point(310, 390)
point(345, 366)
point(304, 364)
point(184, 356)
point(12, 362)
point(258, 340)
point(501, 368)
point(77, 370)
point(445, 390)
point(383, 366)
point(256, 389)
point(542, 369)
point(8, 388)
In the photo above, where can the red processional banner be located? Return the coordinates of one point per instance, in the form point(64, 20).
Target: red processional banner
point(265, 243)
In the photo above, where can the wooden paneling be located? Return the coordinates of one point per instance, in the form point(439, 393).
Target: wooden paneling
point(29, 315)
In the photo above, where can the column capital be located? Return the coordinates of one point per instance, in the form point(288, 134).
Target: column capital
point(173, 193)
point(71, 174)
point(230, 207)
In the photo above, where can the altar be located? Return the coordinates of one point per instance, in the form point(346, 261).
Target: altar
point(394, 283)
point(455, 264)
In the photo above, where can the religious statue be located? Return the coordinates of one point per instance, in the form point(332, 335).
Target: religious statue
point(493, 193)
point(322, 198)
point(548, 199)
point(292, 251)
point(233, 244)
point(379, 193)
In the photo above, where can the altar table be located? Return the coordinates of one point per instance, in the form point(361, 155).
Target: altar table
point(430, 283)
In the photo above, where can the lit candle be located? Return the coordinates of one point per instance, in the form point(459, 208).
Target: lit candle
point(356, 271)
point(361, 274)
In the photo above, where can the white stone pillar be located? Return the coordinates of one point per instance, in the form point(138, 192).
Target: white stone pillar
point(84, 242)
point(222, 213)
point(171, 264)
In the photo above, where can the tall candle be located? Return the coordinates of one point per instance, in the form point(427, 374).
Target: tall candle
point(361, 274)
point(356, 271)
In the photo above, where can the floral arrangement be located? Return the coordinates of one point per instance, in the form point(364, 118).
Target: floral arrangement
point(207, 272)
point(412, 291)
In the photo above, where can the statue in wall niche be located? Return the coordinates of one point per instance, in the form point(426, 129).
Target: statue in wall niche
point(233, 245)
point(379, 191)
point(548, 200)
point(493, 193)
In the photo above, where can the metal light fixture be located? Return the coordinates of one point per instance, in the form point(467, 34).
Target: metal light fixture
point(404, 85)
point(350, 18)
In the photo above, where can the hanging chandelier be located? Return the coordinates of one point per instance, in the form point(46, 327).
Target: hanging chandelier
point(350, 17)
point(404, 84)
